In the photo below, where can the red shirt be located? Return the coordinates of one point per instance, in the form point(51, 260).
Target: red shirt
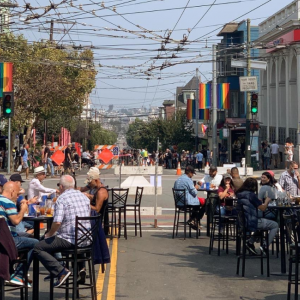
point(221, 190)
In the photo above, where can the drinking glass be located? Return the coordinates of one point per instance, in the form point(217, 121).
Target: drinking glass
point(42, 209)
point(37, 210)
point(49, 208)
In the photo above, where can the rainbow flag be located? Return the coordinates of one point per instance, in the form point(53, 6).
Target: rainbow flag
point(203, 114)
point(203, 128)
point(204, 95)
point(191, 109)
point(223, 96)
point(6, 78)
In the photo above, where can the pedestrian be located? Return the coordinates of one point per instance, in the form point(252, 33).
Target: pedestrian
point(223, 155)
point(199, 159)
point(24, 161)
point(266, 157)
point(204, 152)
point(288, 151)
point(275, 154)
point(47, 160)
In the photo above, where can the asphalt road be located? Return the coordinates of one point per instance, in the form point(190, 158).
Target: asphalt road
point(159, 267)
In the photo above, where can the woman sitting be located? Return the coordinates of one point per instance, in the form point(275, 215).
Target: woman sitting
point(249, 202)
point(226, 190)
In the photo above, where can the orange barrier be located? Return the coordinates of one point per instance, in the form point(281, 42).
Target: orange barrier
point(178, 171)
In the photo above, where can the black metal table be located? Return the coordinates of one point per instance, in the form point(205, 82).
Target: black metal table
point(209, 191)
point(35, 279)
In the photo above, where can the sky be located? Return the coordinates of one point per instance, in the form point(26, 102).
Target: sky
point(143, 49)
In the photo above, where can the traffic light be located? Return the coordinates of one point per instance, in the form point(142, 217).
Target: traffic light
point(254, 104)
point(8, 104)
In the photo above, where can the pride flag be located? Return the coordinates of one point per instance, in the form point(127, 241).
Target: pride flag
point(191, 109)
point(203, 128)
point(223, 96)
point(203, 114)
point(6, 78)
point(204, 95)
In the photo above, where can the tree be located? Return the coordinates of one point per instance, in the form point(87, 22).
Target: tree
point(175, 131)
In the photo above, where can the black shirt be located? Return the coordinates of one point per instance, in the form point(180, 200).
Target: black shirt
point(47, 151)
point(67, 151)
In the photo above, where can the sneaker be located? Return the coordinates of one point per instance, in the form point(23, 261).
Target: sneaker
point(264, 249)
point(251, 248)
point(16, 280)
point(81, 276)
point(63, 276)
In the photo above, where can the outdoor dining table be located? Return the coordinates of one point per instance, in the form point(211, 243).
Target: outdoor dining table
point(35, 279)
point(281, 210)
point(209, 191)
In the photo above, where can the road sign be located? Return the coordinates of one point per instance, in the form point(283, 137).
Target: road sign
point(116, 151)
point(254, 64)
point(248, 83)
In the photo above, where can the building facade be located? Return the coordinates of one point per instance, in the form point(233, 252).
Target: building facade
point(279, 105)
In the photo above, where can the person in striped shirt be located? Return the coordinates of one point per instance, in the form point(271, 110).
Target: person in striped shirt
point(8, 211)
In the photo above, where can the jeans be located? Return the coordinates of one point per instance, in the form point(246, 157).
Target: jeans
point(22, 226)
point(44, 252)
point(266, 163)
point(265, 224)
point(49, 162)
point(23, 243)
point(170, 163)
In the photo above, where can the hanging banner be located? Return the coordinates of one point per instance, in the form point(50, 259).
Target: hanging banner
point(204, 95)
point(191, 109)
point(223, 96)
point(6, 77)
point(203, 114)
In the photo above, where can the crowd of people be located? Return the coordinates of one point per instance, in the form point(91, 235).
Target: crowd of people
point(254, 200)
point(90, 201)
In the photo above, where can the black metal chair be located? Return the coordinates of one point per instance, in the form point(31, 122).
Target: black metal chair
point(243, 235)
point(136, 208)
point(292, 230)
point(182, 208)
point(117, 206)
point(82, 252)
point(22, 258)
point(227, 223)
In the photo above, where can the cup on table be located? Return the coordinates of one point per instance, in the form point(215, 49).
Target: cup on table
point(194, 182)
point(207, 185)
point(49, 208)
point(37, 210)
point(42, 209)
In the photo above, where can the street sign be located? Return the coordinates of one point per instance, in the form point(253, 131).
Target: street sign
point(254, 64)
point(116, 151)
point(248, 83)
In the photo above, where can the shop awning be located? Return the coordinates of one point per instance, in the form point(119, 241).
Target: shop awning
point(240, 122)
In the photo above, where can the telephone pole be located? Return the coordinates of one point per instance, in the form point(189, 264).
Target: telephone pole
point(214, 108)
point(248, 106)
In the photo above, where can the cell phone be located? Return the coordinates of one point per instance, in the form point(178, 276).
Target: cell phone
point(26, 197)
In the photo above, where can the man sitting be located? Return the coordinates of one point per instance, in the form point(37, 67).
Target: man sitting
point(290, 179)
point(185, 182)
point(8, 211)
point(213, 178)
point(69, 204)
point(86, 158)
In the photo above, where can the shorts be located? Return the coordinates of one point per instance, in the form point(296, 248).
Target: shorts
point(25, 165)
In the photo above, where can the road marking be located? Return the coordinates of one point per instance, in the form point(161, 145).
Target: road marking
point(100, 279)
point(112, 279)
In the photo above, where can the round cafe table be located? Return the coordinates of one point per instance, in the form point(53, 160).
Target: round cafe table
point(35, 279)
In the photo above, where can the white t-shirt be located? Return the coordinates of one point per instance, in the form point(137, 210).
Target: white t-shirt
point(213, 180)
point(274, 149)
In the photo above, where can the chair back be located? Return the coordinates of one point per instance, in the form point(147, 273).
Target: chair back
point(138, 195)
point(179, 197)
point(292, 226)
point(119, 197)
point(85, 229)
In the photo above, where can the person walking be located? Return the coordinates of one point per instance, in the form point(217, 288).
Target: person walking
point(275, 154)
point(47, 160)
point(199, 159)
point(288, 151)
point(266, 157)
point(24, 160)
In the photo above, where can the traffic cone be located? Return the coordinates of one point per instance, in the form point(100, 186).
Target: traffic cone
point(41, 225)
point(178, 171)
point(206, 169)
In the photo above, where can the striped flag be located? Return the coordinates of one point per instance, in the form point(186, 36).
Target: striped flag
point(6, 77)
point(191, 109)
point(223, 96)
point(203, 114)
point(204, 95)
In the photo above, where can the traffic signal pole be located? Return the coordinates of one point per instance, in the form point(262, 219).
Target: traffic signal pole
point(9, 146)
point(248, 106)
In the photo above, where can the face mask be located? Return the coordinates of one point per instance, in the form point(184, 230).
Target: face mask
point(293, 171)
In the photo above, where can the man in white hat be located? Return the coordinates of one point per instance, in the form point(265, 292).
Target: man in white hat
point(92, 174)
point(35, 185)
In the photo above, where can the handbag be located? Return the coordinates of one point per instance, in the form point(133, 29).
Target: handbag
point(19, 168)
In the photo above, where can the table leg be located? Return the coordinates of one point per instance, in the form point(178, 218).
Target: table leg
point(282, 244)
point(208, 218)
point(35, 278)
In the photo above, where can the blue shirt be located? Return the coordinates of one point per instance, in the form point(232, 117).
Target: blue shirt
point(185, 183)
point(8, 208)
point(199, 156)
point(25, 155)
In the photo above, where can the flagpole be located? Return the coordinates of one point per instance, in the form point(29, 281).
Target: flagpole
point(214, 108)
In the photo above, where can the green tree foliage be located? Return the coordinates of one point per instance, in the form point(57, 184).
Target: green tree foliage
point(170, 132)
point(48, 82)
